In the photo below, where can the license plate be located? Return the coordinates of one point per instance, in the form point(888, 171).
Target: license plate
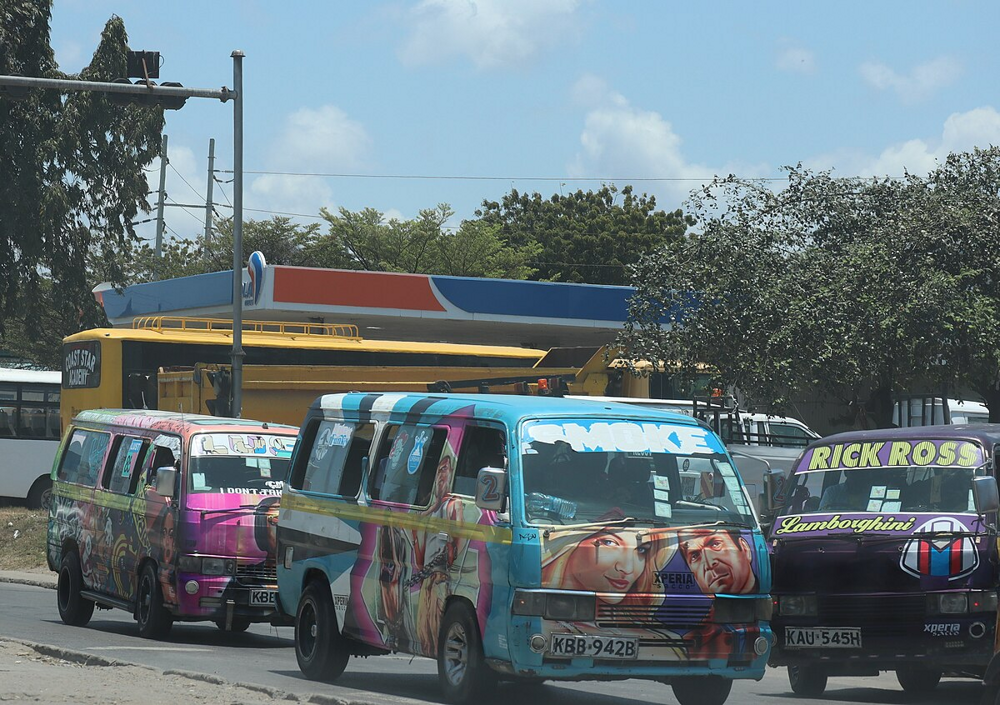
point(572, 646)
point(823, 637)
point(263, 598)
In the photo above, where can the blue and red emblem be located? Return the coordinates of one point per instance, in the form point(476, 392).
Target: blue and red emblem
point(256, 266)
point(939, 554)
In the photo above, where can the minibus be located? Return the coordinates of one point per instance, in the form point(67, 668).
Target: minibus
point(521, 538)
point(885, 558)
point(168, 516)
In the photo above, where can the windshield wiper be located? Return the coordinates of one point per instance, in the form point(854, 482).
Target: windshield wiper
point(722, 523)
point(706, 505)
point(206, 512)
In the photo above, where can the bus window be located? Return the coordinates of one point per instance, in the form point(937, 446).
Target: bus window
point(407, 462)
point(482, 447)
point(83, 458)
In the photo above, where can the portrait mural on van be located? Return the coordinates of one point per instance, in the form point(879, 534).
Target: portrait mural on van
point(124, 520)
point(649, 516)
point(405, 573)
point(668, 529)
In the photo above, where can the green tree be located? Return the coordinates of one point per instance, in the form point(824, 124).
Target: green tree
point(585, 236)
point(71, 177)
point(281, 241)
point(854, 289)
point(365, 240)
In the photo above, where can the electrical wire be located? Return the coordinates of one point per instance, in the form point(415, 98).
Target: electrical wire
point(466, 177)
point(184, 180)
point(185, 209)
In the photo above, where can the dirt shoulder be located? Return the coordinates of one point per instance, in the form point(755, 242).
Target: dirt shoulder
point(22, 538)
point(41, 674)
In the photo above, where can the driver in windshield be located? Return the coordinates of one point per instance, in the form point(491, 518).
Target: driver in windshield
point(852, 493)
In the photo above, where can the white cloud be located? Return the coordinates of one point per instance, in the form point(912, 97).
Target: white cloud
point(920, 83)
point(324, 138)
point(796, 60)
point(961, 132)
point(621, 141)
point(490, 33)
point(289, 194)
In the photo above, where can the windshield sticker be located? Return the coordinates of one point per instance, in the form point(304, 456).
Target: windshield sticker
point(874, 505)
point(663, 509)
point(198, 480)
point(892, 454)
point(661, 495)
point(878, 492)
point(943, 552)
point(627, 437)
point(661, 483)
point(893, 493)
point(243, 444)
point(888, 506)
point(845, 524)
point(417, 454)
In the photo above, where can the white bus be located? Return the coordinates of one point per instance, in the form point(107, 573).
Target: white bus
point(29, 434)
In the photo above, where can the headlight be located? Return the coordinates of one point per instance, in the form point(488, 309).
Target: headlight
point(797, 605)
point(734, 610)
point(207, 565)
point(949, 603)
point(983, 601)
point(564, 606)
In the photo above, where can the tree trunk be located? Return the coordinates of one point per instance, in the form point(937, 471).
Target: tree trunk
point(879, 408)
point(991, 396)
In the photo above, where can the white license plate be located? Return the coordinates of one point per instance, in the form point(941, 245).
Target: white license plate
point(573, 646)
point(263, 598)
point(823, 637)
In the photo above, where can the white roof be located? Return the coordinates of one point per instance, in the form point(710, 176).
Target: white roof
point(9, 374)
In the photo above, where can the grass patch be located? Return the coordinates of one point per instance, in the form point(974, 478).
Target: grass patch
point(27, 551)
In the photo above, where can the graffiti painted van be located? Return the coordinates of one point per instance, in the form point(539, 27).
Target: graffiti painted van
point(521, 538)
point(885, 557)
point(169, 516)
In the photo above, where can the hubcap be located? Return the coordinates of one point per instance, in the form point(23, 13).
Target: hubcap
point(64, 588)
point(456, 654)
point(308, 632)
point(145, 600)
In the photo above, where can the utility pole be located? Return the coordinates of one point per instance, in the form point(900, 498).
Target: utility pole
point(238, 353)
point(208, 197)
point(162, 194)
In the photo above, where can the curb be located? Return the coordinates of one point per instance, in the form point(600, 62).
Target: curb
point(86, 659)
point(27, 581)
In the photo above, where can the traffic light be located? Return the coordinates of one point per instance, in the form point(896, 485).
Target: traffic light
point(167, 102)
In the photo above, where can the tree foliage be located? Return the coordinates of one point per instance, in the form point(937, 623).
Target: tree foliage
point(71, 177)
point(856, 289)
point(584, 236)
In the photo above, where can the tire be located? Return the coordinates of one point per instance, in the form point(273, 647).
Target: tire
point(74, 609)
point(40, 494)
point(239, 624)
point(462, 670)
point(154, 619)
point(916, 680)
point(319, 646)
point(701, 690)
point(807, 681)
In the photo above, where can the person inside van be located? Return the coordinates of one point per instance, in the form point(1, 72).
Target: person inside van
point(852, 493)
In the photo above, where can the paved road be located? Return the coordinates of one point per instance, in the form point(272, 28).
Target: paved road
point(264, 656)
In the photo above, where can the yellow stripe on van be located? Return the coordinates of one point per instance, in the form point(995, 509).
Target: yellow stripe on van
point(402, 520)
point(101, 498)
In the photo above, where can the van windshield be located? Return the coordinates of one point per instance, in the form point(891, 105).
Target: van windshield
point(579, 471)
point(238, 463)
point(886, 476)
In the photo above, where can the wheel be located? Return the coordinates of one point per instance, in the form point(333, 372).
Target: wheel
point(915, 679)
point(807, 681)
point(319, 646)
point(462, 668)
point(238, 624)
point(40, 494)
point(154, 619)
point(74, 609)
point(703, 690)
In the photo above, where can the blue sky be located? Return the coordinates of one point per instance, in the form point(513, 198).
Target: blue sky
point(550, 95)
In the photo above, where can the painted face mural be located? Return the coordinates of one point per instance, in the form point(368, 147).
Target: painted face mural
point(721, 561)
point(609, 562)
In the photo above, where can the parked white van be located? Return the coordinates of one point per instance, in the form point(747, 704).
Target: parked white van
point(934, 411)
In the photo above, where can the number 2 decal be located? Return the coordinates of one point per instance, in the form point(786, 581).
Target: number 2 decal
point(490, 494)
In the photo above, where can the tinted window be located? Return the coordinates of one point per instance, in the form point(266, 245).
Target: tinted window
point(407, 461)
point(126, 464)
point(84, 457)
point(334, 465)
point(481, 448)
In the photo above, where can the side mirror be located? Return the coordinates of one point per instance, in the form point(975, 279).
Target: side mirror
point(166, 481)
point(491, 489)
point(985, 494)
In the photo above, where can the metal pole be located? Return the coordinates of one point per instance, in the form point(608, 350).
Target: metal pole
point(208, 196)
point(161, 195)
point(238, 234)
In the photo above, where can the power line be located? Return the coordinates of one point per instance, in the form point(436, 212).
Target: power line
point(468, 177)
point(184, 180)
point(185, 209)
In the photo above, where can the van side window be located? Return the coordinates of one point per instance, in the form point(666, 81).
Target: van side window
point(335, 458)
point(84, 457)
point(406, 464)
point(482, 447)
point(127, 453)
